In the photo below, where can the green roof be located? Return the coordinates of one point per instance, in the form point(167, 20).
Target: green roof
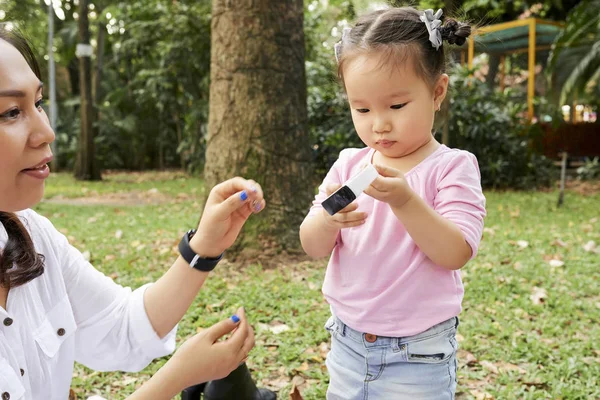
point(515, 38)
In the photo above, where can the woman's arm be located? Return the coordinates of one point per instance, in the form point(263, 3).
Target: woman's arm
point(227, 208)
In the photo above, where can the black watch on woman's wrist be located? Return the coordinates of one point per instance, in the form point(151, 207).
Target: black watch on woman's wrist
point(196, 261)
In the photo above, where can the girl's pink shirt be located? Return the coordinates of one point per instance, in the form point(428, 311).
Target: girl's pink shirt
point(378, 281)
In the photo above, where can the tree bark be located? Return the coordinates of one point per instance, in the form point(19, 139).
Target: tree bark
point(258, 114)
point(85, 165)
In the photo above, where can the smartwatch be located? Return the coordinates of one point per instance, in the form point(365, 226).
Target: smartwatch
point(197, 262)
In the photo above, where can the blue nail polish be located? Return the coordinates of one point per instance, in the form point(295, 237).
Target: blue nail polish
point(235, 318)
point(243, 195)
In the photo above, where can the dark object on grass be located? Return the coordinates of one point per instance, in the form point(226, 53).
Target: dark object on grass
point(236, 386)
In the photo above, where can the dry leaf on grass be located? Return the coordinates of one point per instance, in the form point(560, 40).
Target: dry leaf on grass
point(489, 366)
point(538, 295)
point(481, 395)
point(295, 393)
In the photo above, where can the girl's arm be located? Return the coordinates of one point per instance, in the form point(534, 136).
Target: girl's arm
point(319, 231)
point(317, 237)
point(440, 239)
point(448, 234)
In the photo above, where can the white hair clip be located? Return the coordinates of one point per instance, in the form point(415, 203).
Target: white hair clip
point(432, 22)
point(338, 46)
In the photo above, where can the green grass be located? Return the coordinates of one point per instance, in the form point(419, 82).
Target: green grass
point(510, 348)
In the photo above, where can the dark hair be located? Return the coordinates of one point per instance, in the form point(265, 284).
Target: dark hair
point(19, 262)
point(401, 35)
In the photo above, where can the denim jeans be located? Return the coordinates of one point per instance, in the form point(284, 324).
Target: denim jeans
point(364, 366)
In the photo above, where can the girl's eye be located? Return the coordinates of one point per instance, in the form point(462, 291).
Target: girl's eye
point(397, 106)
point(39, 104)
point(362, 110)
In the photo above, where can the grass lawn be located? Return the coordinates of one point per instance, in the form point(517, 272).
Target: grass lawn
point(530, 328)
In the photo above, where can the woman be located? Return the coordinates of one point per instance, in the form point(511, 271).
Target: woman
point(55, 308)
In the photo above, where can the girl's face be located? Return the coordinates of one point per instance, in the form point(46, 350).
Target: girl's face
point(25, 133)
point(392, 109)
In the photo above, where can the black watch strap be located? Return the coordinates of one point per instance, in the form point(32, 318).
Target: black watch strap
point(200, 263)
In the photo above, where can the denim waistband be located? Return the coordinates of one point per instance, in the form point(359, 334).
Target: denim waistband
point(387, 341)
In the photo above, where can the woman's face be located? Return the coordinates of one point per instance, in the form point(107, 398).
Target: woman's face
point(25, 133)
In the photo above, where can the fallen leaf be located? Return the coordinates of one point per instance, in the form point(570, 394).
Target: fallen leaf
point(560, 243)
point(118, 234)
point(279, 328)
point(539, 295)
point(589, 246)
point(523, 244)
point(489, 366)
point(86, 256)
point(489, 231)
point(556, 263)
point(295, 393)
point(481, 395)
point(504, 366)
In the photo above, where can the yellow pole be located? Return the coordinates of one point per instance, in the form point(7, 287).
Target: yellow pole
point(531, 80)
point(471, 51)
point(502, 71)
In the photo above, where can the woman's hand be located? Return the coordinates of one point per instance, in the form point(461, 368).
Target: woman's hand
point(200, 359)
point(204, 357)
point(227, 208)
point(348, 217)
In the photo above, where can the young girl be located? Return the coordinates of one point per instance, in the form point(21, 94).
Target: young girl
point(392, 281)
point(55, 308)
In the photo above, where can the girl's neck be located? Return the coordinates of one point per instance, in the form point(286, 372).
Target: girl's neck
point(408, 161)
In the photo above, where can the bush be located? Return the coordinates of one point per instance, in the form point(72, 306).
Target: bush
point(492, 126)
point(590, 170)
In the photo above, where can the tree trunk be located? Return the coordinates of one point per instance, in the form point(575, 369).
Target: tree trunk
point(258, 115)
point(494, 66)
point(85, 165)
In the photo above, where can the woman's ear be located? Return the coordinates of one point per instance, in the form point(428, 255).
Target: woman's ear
point(440, 90)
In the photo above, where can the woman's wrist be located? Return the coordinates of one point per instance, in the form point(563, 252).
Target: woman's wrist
point(166, 383)
point(203, 248)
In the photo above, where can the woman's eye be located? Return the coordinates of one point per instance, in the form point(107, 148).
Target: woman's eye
point(397, 106)
point(40, 103)
point(362, 110)
point(11, 114)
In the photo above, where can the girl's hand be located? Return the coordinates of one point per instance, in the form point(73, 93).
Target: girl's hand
point(227, 208)
point(390, 187)
point(346, 218)
point(203, 357)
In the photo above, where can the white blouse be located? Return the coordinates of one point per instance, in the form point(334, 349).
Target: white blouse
point(72, 312)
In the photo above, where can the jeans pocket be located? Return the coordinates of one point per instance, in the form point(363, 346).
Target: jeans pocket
point(331, 325)
point(435, 349)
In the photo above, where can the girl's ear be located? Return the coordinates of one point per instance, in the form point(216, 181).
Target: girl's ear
point(440, 90)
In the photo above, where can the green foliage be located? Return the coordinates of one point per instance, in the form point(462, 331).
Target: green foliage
point(575, 58)
point(492, 126)
point(590, 170)
point(330, 124)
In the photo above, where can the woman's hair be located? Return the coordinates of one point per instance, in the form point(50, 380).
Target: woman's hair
point(401, 35)
point(19, 262)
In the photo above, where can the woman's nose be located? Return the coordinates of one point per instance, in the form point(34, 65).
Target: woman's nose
point(41, 133)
